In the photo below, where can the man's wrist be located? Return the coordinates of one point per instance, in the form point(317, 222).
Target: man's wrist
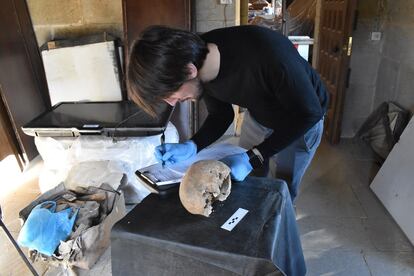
point(192, 144)
point(255, 158)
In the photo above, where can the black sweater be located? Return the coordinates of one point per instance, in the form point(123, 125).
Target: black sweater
point(262, 71)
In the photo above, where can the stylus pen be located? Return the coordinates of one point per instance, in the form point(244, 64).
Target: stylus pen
point(163, 147)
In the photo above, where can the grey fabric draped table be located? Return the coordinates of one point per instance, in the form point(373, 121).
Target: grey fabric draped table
point(159, 237)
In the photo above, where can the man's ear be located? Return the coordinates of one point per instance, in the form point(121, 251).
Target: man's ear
point(192, 70)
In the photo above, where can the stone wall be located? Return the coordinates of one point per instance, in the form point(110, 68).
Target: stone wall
point(381, 70)
point(55, 19)
point(395, 81)
point(210, 14)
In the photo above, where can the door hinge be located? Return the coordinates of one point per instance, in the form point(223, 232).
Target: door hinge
point(348, 77)
point(349, 52)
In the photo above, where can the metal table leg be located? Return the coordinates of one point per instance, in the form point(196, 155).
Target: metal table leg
point(13, 241)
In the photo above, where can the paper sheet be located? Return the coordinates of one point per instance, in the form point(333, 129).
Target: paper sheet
point(83, 73)
point(161, 176)
point(174, 173)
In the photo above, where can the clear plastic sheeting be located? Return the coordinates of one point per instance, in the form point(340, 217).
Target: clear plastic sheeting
point(300, 17)
point(62, 155)
point(94, 173)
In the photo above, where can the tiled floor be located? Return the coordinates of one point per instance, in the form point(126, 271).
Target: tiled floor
point(16, 191)
point(344, 228)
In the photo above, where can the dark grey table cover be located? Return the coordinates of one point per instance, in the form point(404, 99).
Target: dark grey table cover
point(159, 237)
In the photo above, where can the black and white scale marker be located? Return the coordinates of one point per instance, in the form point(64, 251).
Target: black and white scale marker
point(234, 219)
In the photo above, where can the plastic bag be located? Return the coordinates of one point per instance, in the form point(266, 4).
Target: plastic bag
point(91, 235)
point(60, 155)
point(94, 173)
point(383, 128)
point(44, 229)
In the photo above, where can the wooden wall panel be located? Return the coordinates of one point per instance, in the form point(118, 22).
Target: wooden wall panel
point(24, 89)
point(8, 141)
point(140, 14)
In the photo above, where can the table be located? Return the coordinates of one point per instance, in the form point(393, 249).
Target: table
point(159, 237)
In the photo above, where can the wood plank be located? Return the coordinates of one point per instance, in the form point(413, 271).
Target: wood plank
point(24, 88)
point(393, 184)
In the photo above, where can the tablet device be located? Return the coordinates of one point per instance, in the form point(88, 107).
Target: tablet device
point(120, 118)
point(162, 188)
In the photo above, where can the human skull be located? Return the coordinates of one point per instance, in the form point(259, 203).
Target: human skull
point(204, 182)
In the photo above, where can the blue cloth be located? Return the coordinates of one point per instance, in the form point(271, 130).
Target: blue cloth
point(239, 165)
point(172, 153)
point(291, 162)
point(44, 228)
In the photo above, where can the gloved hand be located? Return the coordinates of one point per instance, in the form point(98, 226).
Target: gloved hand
point(239, 165)
point(172, 153)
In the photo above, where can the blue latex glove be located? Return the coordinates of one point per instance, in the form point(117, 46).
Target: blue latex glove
point(172, 153)
point(239, 165)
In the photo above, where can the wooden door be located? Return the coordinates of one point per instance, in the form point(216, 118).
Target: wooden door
point(8, 141)
point(173, 13)
point(140, 14)
point(335, 47)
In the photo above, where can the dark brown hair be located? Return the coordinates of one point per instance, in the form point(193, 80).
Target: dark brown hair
point(158, 64)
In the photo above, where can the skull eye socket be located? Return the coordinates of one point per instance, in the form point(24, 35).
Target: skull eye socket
point(225, 185)
point(209, 200)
